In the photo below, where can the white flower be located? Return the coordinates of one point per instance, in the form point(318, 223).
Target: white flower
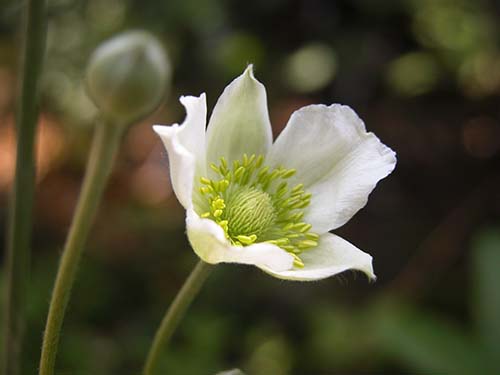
point(272, 205)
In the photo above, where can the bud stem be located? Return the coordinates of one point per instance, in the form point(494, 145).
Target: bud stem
point(175, 313)
point(21, 199)
point(104, 147)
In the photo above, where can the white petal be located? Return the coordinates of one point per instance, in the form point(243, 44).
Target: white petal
point(335, 158)
point(185, 146)
point(333, 255)
point(208, 241)
point(240, 121)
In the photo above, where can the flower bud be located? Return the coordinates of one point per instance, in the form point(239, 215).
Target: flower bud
point(127, 76)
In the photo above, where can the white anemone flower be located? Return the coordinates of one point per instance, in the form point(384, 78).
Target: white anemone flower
point(249, 200)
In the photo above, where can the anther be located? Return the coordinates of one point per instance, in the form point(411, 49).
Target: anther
point(242, 202)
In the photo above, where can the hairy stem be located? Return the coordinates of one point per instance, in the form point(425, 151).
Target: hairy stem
point(175, 313)
point(104, 147)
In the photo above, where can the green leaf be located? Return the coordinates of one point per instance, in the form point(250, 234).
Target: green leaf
point(486, 268)
point(427, 343)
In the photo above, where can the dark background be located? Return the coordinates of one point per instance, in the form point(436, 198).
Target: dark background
point(425, 77)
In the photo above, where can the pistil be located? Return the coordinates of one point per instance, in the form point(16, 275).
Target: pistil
point(253, 203)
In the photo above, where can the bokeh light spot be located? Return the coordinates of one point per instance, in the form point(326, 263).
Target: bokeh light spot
point(237, 50)
point(311, 68)
point(481, 137)
point(413, 74)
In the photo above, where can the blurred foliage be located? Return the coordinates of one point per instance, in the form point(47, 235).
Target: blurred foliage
point(425, 77)
point(486, 307)
point(391, 328)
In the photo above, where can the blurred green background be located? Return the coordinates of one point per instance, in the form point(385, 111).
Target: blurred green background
point(425, 77)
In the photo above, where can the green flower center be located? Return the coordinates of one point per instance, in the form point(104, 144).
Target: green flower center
point(253, 203)
point(249, 211)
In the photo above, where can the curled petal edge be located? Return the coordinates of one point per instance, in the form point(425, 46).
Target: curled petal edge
point(181, 162)
point(210, 244)
point(185, 146)
point(332, 256)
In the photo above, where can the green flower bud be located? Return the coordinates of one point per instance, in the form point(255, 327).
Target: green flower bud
point(127, 76)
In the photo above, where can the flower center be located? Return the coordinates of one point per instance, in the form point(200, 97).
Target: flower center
point(249, 211)
point(253, 203)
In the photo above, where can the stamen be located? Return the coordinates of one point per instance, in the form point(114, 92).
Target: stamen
point(253, 203)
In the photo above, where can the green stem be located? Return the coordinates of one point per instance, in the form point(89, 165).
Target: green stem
point(175, 313)
point(21, 203)
point(104, 147)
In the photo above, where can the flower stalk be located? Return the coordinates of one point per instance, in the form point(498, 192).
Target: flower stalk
point(126, 78)
point(105, 145)
point(175, 313)
point(21, 203)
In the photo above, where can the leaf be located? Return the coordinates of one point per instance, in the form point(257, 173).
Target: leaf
point(427, 343)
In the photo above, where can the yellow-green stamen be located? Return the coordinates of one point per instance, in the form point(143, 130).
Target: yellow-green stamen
point(253, 203)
